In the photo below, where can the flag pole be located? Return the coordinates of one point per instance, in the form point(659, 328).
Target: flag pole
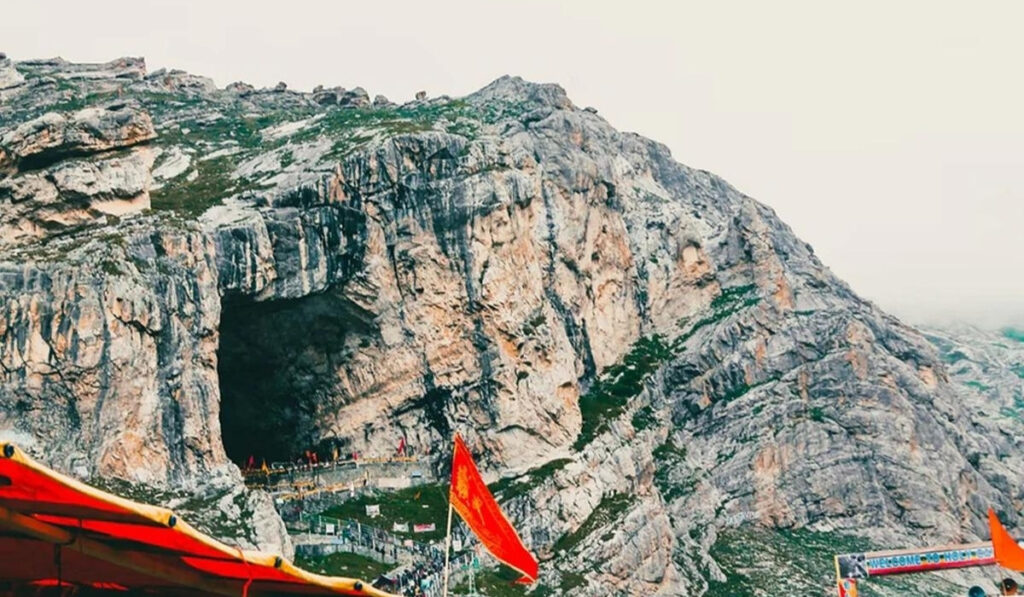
point(447, 546)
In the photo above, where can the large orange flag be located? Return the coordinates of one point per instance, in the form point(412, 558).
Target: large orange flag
point(475, 504)
point(1009, 554)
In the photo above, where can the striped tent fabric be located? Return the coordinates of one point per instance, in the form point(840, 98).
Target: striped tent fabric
point(56, 530)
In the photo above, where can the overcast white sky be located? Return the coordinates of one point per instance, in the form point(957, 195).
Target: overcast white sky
point(889, 135)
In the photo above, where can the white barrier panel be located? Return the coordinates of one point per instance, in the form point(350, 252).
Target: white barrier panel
point(394, 482)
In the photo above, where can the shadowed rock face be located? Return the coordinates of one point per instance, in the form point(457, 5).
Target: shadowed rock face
point(278, 364)
point(54, 136)
point(656, 356)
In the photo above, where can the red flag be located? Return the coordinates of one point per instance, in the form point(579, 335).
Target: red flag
point(1008, 553)
point(475, 504)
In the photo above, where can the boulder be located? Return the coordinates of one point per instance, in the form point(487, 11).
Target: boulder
point(9, 76)
point(327, 97)
point(354, 98)
point(179, 80)
point(240, 89)
point(54, 136)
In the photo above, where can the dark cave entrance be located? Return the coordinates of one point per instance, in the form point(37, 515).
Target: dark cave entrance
point(278, 363)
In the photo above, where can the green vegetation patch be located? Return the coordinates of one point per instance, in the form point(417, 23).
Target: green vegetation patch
point(67, 96)
point(668, 458)
point(668, 452)
point(572, 580)
point(501, 582)
point(1013, 334)
point(644, 418)
point(347, 128)
point(735, 392)
point(493, 112)
point(609, 394)
point(731, 301)
point(229, 124)
point(393, 121)
point(513, 487)
point(954, 357)
point(1014, 412)
point(350, 565)
point(607, 512)
point(423, 504)
point(193, 197)
point(759, 561)
point(977, 385)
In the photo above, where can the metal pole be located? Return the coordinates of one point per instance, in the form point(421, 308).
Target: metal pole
point(447, 549)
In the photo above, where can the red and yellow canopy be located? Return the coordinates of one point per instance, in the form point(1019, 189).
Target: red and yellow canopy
point(53, 526)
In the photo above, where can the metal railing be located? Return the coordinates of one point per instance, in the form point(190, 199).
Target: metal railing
point(422, 569)
point(364, 533)
point(278, 469)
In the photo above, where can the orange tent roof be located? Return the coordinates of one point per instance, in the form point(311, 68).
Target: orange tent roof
point(52, 525)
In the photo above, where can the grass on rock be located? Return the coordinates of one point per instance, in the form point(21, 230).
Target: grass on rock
point(422, 504)
point(501, 582)
point(349, 565)
point(607, 512)
point(609, 394)
point(759, 561)
point(513, 487)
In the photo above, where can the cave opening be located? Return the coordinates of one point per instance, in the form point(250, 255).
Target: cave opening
point(277, 364)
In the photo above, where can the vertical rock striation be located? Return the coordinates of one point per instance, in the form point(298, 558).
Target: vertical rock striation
point(652, 360)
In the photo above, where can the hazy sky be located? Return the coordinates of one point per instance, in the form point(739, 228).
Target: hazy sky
point(889, 135)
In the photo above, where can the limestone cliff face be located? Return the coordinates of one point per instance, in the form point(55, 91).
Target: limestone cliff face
point(191, 274)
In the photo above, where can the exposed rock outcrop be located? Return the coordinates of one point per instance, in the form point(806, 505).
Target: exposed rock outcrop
point(180, 81)
point(9, 76)
point(57, 182)
point(55, 136)
point(655, 357)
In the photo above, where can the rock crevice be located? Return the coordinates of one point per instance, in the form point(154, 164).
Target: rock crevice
point(656, 357)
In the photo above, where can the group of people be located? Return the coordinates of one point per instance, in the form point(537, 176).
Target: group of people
point(414, 581)
point(422, 579)
point(310, 459)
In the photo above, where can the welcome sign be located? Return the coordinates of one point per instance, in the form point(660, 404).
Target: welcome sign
point(883, 563)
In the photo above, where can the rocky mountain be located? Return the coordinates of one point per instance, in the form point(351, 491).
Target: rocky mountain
point(989, 362)
point(678, 397)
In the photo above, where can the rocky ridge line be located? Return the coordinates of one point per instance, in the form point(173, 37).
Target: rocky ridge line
point(654, 362)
